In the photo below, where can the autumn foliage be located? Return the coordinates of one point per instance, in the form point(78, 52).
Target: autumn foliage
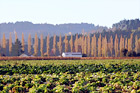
point(89, 44)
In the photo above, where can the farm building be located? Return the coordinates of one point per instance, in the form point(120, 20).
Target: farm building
point(71, 54)
point(23, 55)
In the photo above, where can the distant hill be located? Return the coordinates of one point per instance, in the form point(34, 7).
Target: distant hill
point(45, 29)
point(133, 24)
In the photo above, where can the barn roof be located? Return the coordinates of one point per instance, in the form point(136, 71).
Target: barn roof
point(23, 55)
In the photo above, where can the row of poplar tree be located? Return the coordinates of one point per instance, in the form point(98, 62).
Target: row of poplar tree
point(86, 44)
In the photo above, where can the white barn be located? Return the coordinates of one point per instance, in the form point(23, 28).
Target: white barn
point(71, 54)
point(24, 55)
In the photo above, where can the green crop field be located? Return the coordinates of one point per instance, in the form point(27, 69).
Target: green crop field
point(70, 76)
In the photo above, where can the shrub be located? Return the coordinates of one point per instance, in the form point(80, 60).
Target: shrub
point(84, 55)
point(123, 52)
point(138, 54)
point(131, 54)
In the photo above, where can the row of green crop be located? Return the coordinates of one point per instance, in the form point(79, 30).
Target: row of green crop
point(71, 83)
point(72, 69)
point(71, 76)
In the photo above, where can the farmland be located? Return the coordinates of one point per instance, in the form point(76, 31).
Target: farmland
point(70, 76)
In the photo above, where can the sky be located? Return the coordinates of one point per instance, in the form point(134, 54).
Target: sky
point(98, 12)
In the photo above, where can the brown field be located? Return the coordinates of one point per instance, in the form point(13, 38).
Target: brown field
point(64, 58)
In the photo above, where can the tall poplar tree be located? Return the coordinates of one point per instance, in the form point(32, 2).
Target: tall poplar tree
point(4, 44)
point(36, 45)
point(22, 43)
point(16, 36)
point(116, 46)
point(10, 44)
point(121, 43)
point(89, 50)
point(99, 46)
point(76, 43)
point(59, 44)
point(94, 46)
point(54, 44)
point(66, 43)
point(71, 43)
point(103, 50)
point(138, 49)
point(126, 43)
point(129, 45)
point(136, 44)
point(29, 44)
point(41, 44)
point(48, 46)
point(82, 44)
point(85, 45)
point(130, 42)
point(111, 46)
point(104, 47)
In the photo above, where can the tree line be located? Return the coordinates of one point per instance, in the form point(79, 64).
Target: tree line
point(94, 45)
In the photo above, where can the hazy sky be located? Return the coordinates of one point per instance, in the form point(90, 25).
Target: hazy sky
point(98, 12)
